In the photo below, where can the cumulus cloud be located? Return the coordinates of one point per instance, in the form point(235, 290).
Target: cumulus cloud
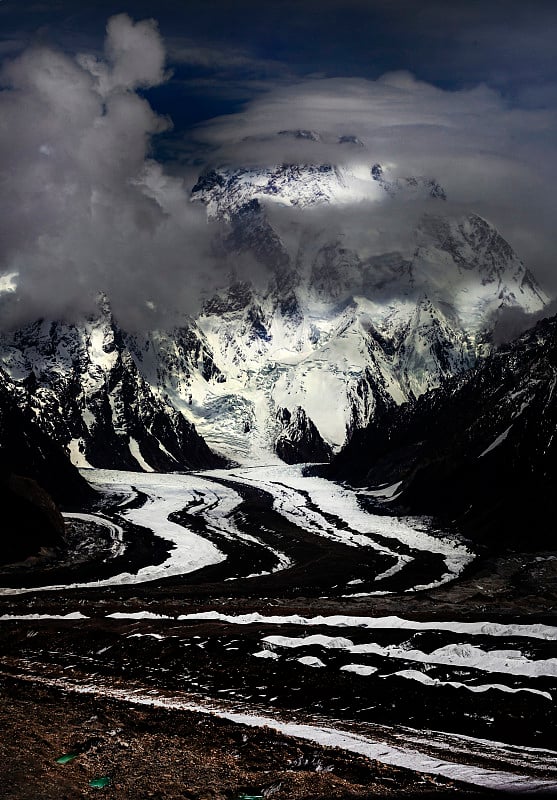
point(134, 56)
point(85, 208)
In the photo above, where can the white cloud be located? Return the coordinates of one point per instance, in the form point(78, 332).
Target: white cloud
point(134, 56)
point(220, 57)
point(84, 206)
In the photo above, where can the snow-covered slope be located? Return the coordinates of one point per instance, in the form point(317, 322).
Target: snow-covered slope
point(337, 332)
point(226, 191)
point(85, 390)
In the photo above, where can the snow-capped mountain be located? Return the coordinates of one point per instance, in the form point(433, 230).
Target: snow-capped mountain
point(336, 332)
point(328, 336)
point(84, 388)
point(227, 191)
point(481, 448)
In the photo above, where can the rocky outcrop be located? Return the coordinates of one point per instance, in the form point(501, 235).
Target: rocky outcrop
point(299, 440)
point(34, 473)
point(87, 393)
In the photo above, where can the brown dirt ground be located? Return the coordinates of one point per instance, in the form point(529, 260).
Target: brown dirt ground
point(155, 753)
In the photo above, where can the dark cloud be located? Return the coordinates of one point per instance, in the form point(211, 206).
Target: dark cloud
point(511, 322)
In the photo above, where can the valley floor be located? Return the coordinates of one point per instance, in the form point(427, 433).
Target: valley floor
point(166, 754)
point(219, 633)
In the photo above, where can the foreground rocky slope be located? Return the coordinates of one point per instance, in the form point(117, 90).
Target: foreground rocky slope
point(131, 745)
point(33, 470)
point(480, 449)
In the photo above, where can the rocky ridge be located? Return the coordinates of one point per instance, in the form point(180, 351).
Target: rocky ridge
point(480, 449)
point(85, 390)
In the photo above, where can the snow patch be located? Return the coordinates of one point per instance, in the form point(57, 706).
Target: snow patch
point(359, 669)
point(510, 662)
point(426, 680)
point(385, 492)
point(510, 630)
point(77, 454)
point(311, 661)
point(39, 617)
point(136, 453)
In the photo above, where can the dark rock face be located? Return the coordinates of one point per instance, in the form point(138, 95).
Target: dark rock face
point(32, 521)
point(300, 441)
point(481, 449)
point(33, 470)
point(250, 232)
point(238, 295)
point(426, 186)
point(27, 451)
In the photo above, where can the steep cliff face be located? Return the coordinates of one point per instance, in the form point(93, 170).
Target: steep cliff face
point(299, 440)
point(84, 387)
point(26, 450)
point(480, 449)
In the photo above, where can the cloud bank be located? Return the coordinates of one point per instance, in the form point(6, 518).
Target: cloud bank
point(85, 208)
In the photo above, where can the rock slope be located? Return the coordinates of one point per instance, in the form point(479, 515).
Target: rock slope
point(481, 449)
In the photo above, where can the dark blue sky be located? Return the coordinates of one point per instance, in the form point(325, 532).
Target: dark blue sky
point(224, 52)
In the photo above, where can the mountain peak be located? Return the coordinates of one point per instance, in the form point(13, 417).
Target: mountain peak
point(312, 136)
point(226, 190)
point(412, 186)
